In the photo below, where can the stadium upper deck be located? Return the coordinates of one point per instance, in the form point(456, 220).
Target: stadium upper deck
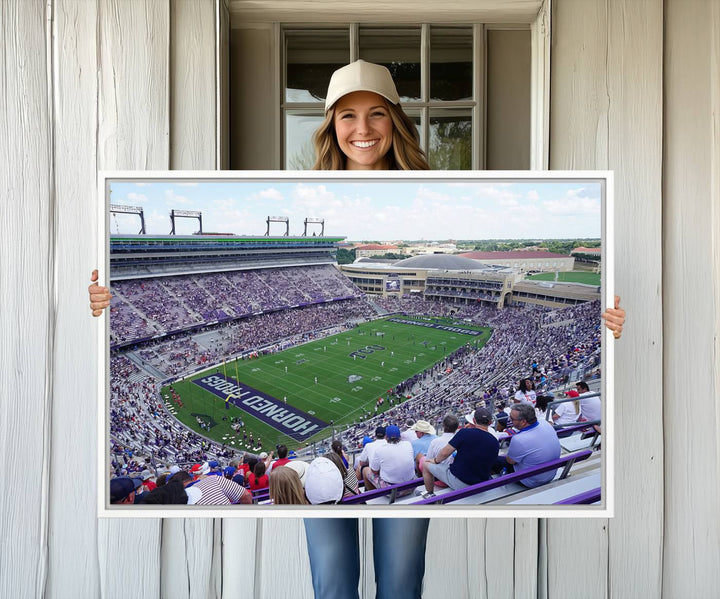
point(141, 256)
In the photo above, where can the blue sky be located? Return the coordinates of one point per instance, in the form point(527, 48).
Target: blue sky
point(380, 210)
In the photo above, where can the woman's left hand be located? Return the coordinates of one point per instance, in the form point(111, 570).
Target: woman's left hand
point(615, 318)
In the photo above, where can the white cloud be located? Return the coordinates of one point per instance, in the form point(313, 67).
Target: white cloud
point(572, 207)
point(172, 199)
point(508, 202)
point(269, 194)
point(533, 195)
point(137, 198)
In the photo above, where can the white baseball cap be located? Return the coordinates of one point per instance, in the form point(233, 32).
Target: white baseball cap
point(323, 482)
point(361, 76)
point(300, 467)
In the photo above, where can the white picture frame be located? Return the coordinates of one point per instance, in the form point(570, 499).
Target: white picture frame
point(366, 180)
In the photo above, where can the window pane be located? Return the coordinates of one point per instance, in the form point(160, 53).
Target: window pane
point(451, 55)
point(508, 100)
point(311, 58)
point(450, 139)
point(399, 51)
point(299, 150)
point(415, 117)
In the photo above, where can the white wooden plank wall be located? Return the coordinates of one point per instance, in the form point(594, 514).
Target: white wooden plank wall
point(692, 319)
point(133, 129)
point(606, 113)
point(26, 295)
point(73, 559)
point(635, 85)
point(132, 85)
point(578, 140)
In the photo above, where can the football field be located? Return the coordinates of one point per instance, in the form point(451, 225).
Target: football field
point(335, 380)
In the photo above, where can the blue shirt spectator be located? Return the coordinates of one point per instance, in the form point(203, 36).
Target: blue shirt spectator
point(534, 444)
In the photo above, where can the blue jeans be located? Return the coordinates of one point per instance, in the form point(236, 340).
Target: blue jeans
point(398, 553)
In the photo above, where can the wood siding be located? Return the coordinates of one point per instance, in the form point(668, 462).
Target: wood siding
point(111, 84)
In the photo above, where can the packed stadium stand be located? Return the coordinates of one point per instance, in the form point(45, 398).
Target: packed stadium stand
point(184, 304)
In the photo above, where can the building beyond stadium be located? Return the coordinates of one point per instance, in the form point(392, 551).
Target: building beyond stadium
point(463, 280)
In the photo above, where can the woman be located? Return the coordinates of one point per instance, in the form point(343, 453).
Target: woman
point(341, 461)
point(526, 392)
point(257, 479)
point(285, 487)
point(365, 129)
point(569, 411)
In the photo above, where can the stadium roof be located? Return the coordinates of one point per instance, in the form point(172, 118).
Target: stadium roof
point(512, 255)
point(376, 246)
point(440, 261)
point(584, 250)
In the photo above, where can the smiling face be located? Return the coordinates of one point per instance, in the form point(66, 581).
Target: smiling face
point(364, 130)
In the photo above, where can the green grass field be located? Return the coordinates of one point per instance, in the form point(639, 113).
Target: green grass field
point(588, 278)
point(408, 350)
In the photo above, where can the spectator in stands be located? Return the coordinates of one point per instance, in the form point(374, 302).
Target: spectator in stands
point(501, 417)
point(336, 447)
point(425, 434)
point(590, 407)
point(350, 482)
point(569, 411)
point(363, 460)
point(171, 493)
point(541, 404)
point(477, 452)
point(392, 464)
point(282, 453)
point(450, 425)
point(285, 487)
point(122, 490)
point(301, 468)
point(147, 477)
point(535, 443)
point(526, 392)
point(408, 434)
point(471, 423)
point(217, 490)
point(257, 479)
point(196, 471)
point(323, 485)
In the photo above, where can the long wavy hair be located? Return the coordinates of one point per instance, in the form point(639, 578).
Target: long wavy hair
point(405, 153)
point(285, 487)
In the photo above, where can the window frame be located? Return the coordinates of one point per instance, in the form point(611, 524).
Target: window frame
point(476, 106)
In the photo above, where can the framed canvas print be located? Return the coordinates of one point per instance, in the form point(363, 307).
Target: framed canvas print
point(285, 344)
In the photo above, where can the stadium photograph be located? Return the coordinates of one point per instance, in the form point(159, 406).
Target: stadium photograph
point(372, 343)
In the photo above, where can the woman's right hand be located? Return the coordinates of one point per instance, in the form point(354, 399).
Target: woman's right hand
point(99, 296)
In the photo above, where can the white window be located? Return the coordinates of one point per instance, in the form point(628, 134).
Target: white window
point(440, 74)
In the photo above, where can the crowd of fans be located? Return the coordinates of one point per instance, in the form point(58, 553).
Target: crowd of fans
point(459, 457)
point(156, 306)
point(526, 342)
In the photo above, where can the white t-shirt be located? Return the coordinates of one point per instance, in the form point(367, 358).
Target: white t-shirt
point(566, 413)
point(591, 408)
point(369, 450)
point(437, 444)
point(409, 435)
point(395, 462)
point(528, 397)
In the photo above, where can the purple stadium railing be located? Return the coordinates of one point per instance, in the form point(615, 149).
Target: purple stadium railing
point(585, 498)
point(566, 461)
